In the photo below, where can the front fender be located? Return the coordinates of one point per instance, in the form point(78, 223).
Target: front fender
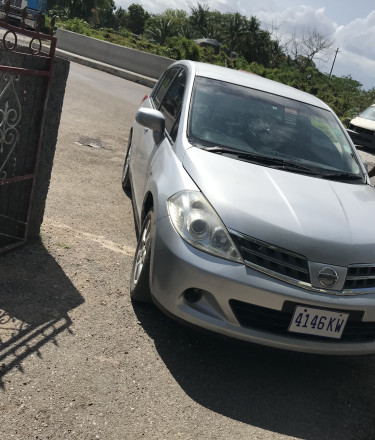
point(166, 177)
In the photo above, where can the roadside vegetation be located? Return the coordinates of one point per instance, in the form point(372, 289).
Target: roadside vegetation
point(239, 43)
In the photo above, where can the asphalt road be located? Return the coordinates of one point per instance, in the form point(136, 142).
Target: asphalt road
point(80, 361)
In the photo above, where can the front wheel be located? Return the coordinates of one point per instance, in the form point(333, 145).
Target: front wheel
point(140, 275)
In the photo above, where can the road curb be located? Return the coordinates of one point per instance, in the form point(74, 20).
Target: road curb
point(126, 74)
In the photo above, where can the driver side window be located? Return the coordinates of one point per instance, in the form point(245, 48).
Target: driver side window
point(172, 103)
point(163, 87)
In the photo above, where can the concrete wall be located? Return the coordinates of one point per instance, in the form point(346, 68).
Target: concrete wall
point(123, 57)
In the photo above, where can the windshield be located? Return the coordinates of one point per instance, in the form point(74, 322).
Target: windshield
point(267, 125)
point(369, 113)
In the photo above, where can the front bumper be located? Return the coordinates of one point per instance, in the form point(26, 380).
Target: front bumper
point(176, 267)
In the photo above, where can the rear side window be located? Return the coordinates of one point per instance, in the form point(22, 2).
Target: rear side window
point(163, 87)
point(172, 103)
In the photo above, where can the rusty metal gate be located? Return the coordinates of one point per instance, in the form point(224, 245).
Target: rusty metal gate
point(26, 61)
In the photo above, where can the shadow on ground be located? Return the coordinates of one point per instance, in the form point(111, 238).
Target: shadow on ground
point(303, 396)
point(35, 298)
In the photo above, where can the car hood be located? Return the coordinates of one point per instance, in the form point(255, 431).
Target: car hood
point(363, 123)
point(326, 221)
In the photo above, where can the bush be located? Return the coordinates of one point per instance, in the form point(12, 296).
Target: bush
point(185, 49)
point(77, 25)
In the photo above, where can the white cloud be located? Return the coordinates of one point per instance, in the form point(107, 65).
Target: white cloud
point(360, 68)
point(299, 20)
point(355, 39)
point(358, 36)
point(156, 7)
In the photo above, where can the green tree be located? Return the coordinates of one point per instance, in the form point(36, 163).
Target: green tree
point(257, 45)
point(234, 30)
point(134, 19)
point(81, 8)
point(69, 8)
point(180, 22)
point(179, 17)
point(185, 49)
point(106, 16)
point(160, 29)
point(120, 12)
point(199, 19)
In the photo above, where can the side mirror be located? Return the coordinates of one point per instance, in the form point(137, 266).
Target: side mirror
point(154, 120)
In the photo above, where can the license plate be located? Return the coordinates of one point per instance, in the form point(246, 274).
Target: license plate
point(318, 322)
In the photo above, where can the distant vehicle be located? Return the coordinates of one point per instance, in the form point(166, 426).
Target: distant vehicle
point(37, 5)
point(253, 210)
point(34, 7)
point(362, 128)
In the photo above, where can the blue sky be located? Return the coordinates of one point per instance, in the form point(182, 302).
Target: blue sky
point(349, 25)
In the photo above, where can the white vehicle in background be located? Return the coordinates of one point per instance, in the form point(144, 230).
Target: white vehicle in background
point(362, 128)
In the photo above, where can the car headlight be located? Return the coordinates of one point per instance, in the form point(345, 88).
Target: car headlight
point(197, 222)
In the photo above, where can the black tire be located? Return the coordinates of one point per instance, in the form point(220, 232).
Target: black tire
point(125, 180)
point(140, 274)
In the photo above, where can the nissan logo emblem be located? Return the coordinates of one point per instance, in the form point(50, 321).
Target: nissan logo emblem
point(327, 276)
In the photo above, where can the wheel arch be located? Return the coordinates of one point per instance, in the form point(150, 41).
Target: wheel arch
point(130, 135)
point(148, 204)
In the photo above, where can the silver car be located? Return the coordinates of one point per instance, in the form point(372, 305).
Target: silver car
point(255, 213)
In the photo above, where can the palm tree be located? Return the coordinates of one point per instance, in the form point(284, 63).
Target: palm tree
point(187, 31)
point(256, 44)
point(234, 30)
point(160, 29)
point(199, 19)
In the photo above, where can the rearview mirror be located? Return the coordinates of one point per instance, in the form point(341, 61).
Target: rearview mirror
point(154, 120)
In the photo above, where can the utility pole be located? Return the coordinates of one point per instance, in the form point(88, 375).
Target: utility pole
point(330, 73)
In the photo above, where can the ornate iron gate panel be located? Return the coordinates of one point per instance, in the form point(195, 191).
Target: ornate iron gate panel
point(26, 61)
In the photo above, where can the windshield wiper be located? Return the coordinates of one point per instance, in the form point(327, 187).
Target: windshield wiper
point(342, 176)
point(278, 163)
point(222, 149)
point(275, 162)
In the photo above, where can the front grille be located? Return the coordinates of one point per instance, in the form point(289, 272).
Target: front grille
point(264, 256)
point(362, 136)
point(277, 322)
point(364, 131)
point(294, 268)
point(360, 277)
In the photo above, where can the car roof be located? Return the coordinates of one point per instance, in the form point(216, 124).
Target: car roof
point(247, 79)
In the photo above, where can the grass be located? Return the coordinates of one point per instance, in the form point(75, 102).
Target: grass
point(62, 245)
